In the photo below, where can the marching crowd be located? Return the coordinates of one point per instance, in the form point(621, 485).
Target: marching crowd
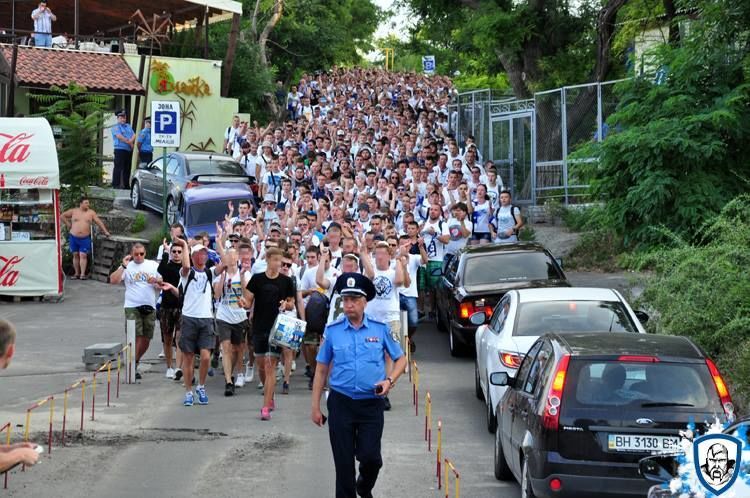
point(362, 177)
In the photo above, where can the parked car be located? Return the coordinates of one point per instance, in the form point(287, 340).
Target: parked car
point(203, 206)
point(185, 170)
point(522, 316)
point(583, 409)
point(479, 276)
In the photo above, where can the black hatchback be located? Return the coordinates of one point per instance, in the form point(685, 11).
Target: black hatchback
point(585, 408)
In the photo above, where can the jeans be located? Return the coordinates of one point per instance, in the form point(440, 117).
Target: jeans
point(409, 304)
point(42, 40)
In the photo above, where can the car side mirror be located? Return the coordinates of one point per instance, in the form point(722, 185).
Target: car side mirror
point(501, 379)
point(478, 318)
point(657, 468)
point(642, 316)
point(559, 262)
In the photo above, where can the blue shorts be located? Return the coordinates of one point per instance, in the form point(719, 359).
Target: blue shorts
point(80, 244)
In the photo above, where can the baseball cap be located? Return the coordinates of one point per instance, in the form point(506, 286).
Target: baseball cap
point(197, 248)
point(269, 198)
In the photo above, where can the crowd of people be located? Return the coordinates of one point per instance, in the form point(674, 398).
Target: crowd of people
point(363, 176)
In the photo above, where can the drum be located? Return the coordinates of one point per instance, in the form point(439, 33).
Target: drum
point(287, 332)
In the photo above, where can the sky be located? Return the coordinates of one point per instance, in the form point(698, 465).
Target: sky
point(397, 24)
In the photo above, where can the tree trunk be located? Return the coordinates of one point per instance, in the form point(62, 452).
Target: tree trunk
point(229, 58)
point(263, 37)
point(198, 31)
point(674, 26)
point(605, 28)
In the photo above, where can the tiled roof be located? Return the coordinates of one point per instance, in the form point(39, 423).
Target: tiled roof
point(99, 72)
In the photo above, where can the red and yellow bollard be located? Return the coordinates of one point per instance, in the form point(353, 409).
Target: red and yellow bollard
point(415, 388)
point(449, 467)
point(27, 428)
point(6, 428)
point(428, 420)
point(65, 409)
point(439, 451)
point(93, 387)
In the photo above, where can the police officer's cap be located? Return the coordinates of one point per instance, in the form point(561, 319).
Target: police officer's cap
point(356, 284)
point(122, 112)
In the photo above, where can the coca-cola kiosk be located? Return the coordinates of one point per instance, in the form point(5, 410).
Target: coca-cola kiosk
point(30, 257)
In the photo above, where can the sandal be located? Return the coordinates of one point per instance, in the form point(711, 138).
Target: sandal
point(75, 277)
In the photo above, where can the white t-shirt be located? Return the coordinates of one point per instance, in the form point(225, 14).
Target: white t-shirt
point(198, 300)
point(435, 248)
point(385, 305)
point(482, 216)
point(229, 309)
point(452, 227)
point(307, 281)
point(415, 261)
point(138, 292)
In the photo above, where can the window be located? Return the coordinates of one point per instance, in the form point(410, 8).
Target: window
point(536, 319)
point(213, 167)
point(173, 166)
point(500, 315)
point(156, 165)
point(452, 269)
point(523, 371)
point(510, 267)
point(208, 213)
point(643, 385)
point(536, 374)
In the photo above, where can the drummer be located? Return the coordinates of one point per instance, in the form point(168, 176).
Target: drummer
point(271, 291)
point(354, 349)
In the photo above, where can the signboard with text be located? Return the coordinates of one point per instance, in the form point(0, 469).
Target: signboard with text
point(27, 269)
point(428, 64)
point(165, 123)
point(28, 156)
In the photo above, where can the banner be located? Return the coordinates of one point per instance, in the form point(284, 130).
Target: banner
point(428, 64)
point(29, 268)
point(28, 154)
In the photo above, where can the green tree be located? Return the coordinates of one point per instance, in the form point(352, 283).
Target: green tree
point(79, 115)
point(679, 143)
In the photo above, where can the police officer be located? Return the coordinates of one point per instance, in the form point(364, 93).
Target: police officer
point(356, 345)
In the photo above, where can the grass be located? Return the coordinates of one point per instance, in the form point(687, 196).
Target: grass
point(139, 223)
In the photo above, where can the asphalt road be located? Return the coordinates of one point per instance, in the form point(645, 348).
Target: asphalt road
point(148, 444)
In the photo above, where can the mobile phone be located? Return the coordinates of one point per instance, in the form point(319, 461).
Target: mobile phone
point(325, 419)
point(379, 389)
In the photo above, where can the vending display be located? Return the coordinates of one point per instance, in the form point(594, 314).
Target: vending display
point(27, 215)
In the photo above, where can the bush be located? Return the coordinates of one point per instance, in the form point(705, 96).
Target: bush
point(139, 223)
point(154, 242)
point(703, 291)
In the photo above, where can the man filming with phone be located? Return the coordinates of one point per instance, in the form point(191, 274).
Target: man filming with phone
point(356, 403)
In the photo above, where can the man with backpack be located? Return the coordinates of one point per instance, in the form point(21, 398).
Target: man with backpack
point(431, 231)
point(507, 221)
point(316, 308)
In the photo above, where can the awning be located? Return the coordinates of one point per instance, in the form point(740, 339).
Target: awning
point(28, 156)
point(99, 72)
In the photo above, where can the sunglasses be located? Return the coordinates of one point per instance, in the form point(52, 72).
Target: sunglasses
point(176, 252)
point(286, 265)
point(393, 245)
point(234, 241)
point(139, 254)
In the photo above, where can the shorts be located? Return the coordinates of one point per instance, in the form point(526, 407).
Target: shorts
point(247, 327)
point(507, 240)
point(144, 324)
point(169, 321)
point(196, 334)
point(79, 244)
point(409, 304)
point(311, 337)
point(261, 347)
point(233, 332)
point(482, 236)
point(429, 277)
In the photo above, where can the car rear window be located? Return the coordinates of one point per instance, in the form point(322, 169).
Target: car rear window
point(535, 319)
point(208, 213)
point(214, 167)
point(641, 385)
point(509, 267)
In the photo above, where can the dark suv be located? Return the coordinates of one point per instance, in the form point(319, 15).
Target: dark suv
point(479, 276)
point(585, 408)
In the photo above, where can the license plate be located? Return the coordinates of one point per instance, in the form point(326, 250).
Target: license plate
point(633, 442)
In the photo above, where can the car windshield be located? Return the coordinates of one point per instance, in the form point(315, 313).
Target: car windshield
point(509, 267)
point(209, 212)
point(535, 319)
point(642, 385)
point(213, 167)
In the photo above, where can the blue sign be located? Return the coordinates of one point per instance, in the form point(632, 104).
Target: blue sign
point(165, 122)
point(165, 119)
point(428, 64)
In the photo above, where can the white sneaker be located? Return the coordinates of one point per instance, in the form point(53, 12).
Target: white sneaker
point(170, 373)
point(249, 374)
point(279, 371)
point(260, 385)
point(294, 365)
point(161, 355)
point(240, 380)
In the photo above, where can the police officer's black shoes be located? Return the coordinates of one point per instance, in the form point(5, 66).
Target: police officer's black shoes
point(387, 404)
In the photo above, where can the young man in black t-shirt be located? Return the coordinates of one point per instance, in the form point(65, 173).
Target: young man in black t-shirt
point(271, 291)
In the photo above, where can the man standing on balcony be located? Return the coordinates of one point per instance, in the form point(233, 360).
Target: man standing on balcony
point(43, 18)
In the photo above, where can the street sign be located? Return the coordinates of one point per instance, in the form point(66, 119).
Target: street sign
point(165, 119)
point(428, 64)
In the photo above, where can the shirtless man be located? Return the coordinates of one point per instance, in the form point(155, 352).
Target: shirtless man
point(79, 220)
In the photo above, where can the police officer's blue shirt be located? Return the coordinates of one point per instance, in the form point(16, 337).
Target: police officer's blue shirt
point(144, 139)
point(358, 356)
point(126, 131)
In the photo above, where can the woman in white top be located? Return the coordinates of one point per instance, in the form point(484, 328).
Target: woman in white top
point(480, 210)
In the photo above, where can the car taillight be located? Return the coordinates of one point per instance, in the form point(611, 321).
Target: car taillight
point(551, 417)
point(721, 389)
point(192, 184)
point(468, 308)
point(510, 360)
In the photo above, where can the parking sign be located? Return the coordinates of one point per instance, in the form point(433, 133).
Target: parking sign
point(165, 124)
point(428, 64)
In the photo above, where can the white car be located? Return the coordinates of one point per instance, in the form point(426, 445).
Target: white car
point(523, 315)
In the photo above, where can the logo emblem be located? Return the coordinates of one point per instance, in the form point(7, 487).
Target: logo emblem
point(350, 282)
point(717, 459)
point(644, 421)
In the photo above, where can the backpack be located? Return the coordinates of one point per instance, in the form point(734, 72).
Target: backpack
point(316, 312)
point(190, 278)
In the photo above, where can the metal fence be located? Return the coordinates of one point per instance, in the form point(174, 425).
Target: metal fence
point(531, 141)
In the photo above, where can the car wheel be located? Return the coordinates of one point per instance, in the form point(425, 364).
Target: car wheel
point(502, 471)
point(491, 418)
point(456, 347)
point(135, 195)
point(526, 491)
point(172, 212)
point(477, 385)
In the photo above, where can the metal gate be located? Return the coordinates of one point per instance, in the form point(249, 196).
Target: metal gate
point(512, 148)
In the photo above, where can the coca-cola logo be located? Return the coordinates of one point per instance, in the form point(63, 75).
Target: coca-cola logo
point(34, 181)
point(8, 274)
point(15, 148)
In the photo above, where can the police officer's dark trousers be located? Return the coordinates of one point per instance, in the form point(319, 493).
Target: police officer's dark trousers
point(355, 428)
